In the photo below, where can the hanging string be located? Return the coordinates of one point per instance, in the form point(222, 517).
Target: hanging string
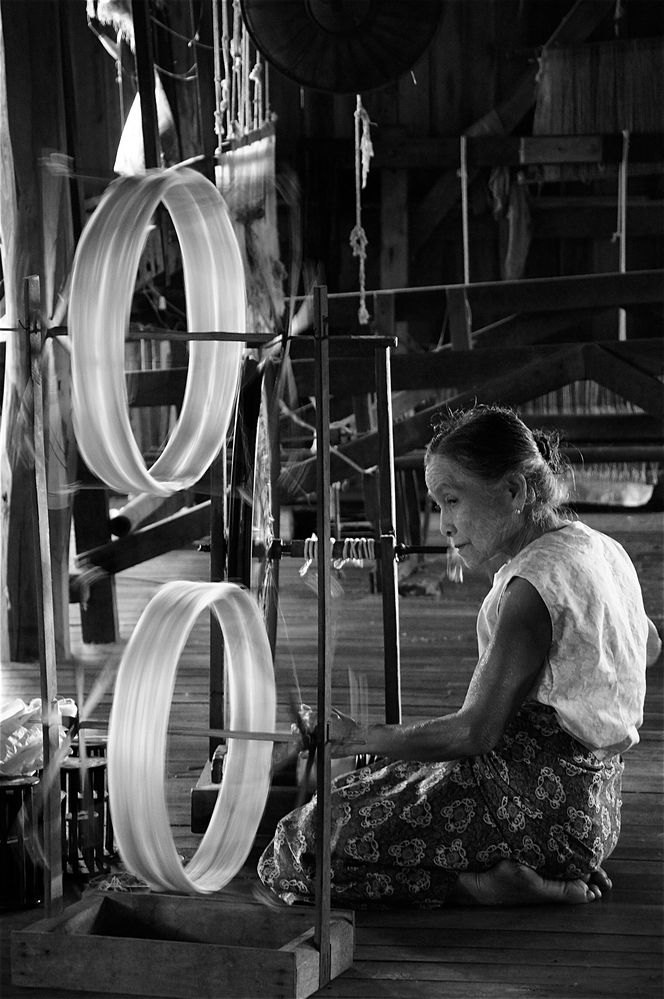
point(621, 225)
point(236, 57)
point(226, 55)
point(256, 77)
point(358, 237)
point(218, 92)
point(355, 551)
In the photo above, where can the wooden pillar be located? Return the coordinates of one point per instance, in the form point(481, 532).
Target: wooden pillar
point(388, 564)
point(145, 75)
point(323, 756)
point(99, 616)
point(218, 573)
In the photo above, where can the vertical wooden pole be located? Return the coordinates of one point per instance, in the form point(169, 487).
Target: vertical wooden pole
point(99, 614)
point(145, 74)
point(323, 772)
point(271, 392)
point(218, 573)
point(388, 517)
point(45, 618)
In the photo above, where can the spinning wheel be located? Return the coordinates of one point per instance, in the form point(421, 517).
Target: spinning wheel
point(342, 46)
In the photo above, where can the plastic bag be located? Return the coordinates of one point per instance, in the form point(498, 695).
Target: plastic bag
point(21, 737)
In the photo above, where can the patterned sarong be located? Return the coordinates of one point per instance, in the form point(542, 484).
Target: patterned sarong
point(402, 831)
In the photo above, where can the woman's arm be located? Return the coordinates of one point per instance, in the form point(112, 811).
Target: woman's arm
point(654, 645)
point(501, 681)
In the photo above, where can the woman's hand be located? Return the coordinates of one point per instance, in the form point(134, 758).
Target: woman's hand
point(347, 738)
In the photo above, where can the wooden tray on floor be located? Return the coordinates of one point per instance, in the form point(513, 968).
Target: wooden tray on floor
point(176, 945)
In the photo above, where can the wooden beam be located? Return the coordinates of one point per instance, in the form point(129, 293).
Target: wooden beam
point(417, 152)
point(145, 74)
point(459, 317)
point(525, 329)
point(646, 355)
point(449, 368)
point(540, 375)
point(600, 428)
point(583, 291)
point(614, 371)
point(181, 529)
point(555, 294)
point(594, 218)
point(583, 454)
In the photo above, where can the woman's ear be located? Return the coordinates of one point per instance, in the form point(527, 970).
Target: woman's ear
point(518, 488)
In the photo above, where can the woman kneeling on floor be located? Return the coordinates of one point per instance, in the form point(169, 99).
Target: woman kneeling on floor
point(516, 797)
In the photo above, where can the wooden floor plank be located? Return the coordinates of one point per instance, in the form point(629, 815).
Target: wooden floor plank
point(610, 948)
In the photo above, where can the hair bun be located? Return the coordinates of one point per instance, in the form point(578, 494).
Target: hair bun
point(548, 445)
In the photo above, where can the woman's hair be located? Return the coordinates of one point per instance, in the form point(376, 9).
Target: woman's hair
point(492, 441)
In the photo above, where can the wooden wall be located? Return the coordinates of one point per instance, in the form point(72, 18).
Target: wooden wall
point(471, 70)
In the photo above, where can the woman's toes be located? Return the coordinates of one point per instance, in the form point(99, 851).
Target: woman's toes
point(509, 883)
point(601, 879)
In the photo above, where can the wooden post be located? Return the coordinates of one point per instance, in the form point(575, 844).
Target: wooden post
point(53, 890)
point(388, 516)
point(145, 74)
point(218, 573)
point(323, 758)
point(99, 615)
point(459, 316)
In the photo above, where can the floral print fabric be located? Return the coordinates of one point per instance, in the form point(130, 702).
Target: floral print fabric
point(402, 831)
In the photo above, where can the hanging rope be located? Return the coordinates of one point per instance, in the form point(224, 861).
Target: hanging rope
point(358, 237)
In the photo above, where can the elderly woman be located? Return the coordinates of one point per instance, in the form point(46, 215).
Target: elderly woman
point(515, 797)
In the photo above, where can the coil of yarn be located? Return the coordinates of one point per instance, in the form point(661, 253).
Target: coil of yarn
point(103, 278)
point(138, 731)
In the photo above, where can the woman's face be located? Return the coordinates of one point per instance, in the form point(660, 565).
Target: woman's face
point(480, 517)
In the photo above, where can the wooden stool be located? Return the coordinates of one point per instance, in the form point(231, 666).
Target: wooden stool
point(21, 873)
point(84, 787)
point(96, 748)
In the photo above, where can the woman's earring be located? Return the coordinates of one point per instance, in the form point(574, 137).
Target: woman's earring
point(518, 511)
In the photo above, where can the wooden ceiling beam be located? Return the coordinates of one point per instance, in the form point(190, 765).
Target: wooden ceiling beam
point(397, 151)
point(464, 369)
point(557, 294)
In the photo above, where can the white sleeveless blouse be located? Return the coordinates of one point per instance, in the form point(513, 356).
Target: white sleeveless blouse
point(595, 674)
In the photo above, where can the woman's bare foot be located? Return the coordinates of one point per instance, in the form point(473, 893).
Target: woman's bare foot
point(509, 883)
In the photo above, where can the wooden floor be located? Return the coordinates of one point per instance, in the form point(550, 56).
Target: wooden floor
point(610, 948)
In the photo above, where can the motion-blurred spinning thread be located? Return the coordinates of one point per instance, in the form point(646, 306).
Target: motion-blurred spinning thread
point(104, 274)
point(138, 728)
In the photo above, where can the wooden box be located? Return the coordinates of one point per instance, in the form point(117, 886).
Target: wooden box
point(148, 944)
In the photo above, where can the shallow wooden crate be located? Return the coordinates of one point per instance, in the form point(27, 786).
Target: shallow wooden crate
point(149, 944)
